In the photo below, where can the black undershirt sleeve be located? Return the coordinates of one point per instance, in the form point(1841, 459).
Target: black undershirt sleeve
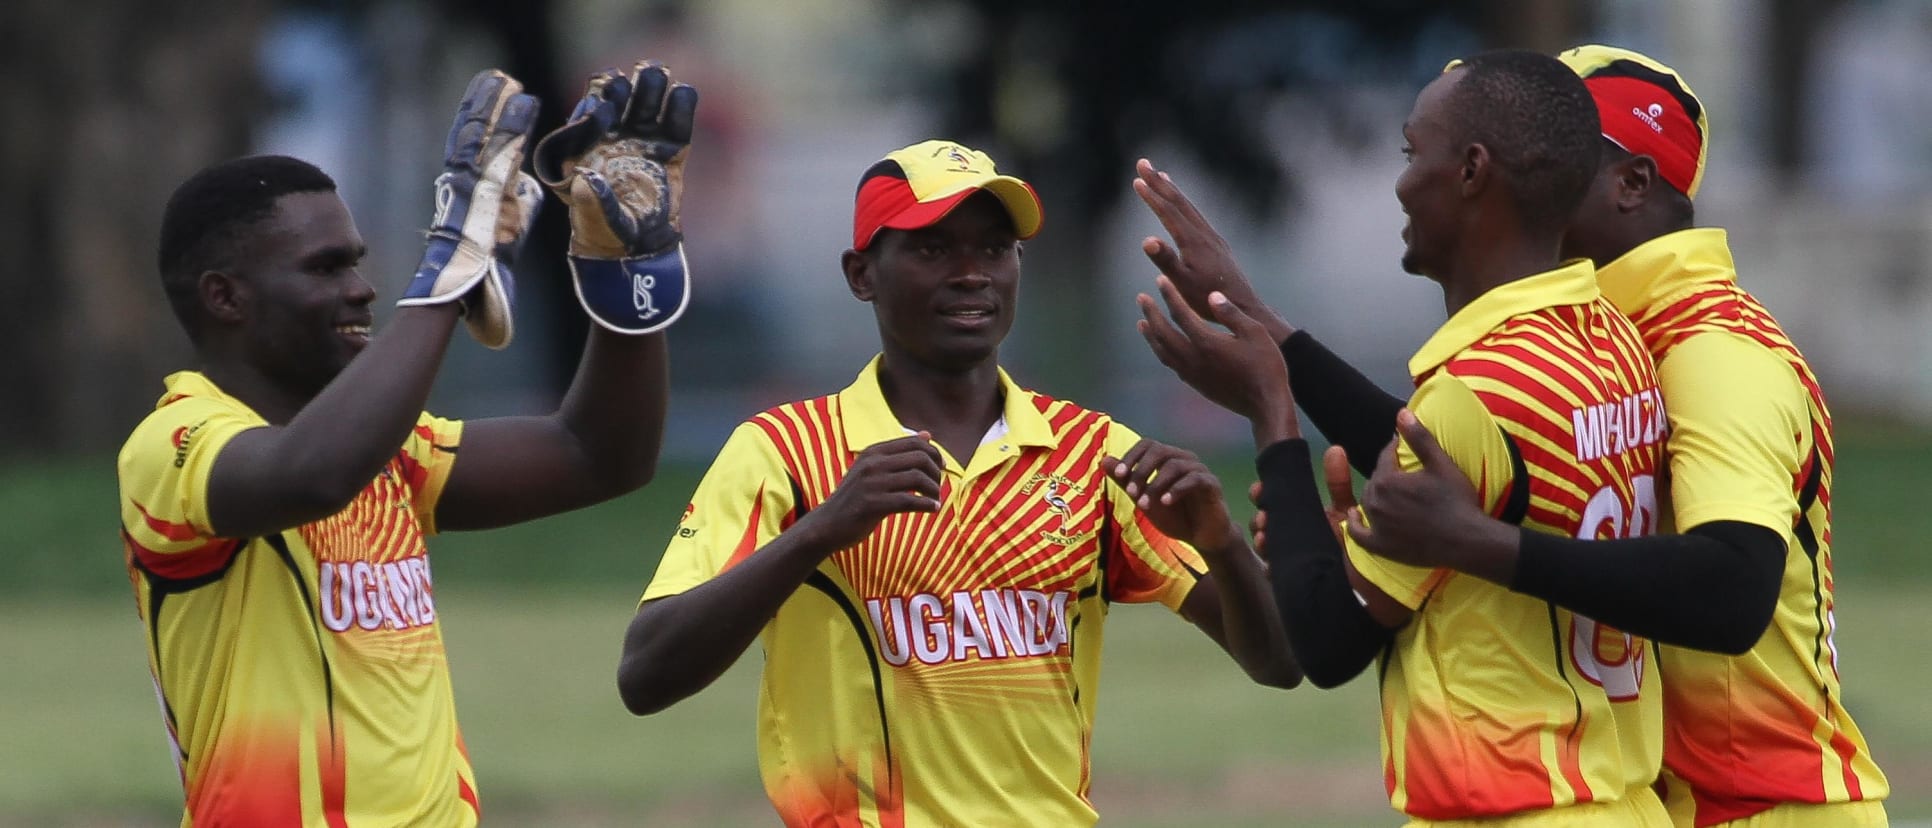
point(1349, 409)
point(1713, 588)
point(1333, 636)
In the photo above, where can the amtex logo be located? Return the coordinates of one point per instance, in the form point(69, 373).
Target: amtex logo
point(1650, 115)
point(1002, 623)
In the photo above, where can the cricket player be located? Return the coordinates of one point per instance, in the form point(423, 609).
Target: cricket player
point(928, 557)
point(274, 505)
point(1757, 734)
point(1497, 708)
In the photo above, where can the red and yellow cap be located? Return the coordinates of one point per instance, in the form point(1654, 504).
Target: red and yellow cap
point(917, 186)
point(1647, 109)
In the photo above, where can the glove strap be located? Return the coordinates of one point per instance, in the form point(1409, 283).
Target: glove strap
point(447, 273)
point(638, 295)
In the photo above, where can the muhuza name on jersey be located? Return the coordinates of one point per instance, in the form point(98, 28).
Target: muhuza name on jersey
point(393, 594)
point(992, 623)
point(1606, 429)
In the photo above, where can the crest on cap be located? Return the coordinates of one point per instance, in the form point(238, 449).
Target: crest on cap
point(919, 185)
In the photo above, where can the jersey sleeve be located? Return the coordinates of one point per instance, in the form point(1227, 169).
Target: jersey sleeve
point(1740, 432)
point(1452, 413)
point(164, 470)
point(426, 458)
point(740, 505)
point(1142, 564)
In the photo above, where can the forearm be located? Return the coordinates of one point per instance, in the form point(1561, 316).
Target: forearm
point(679, 645)
point(1250, 624)
point(616, 405)
point(358, 421)
point(1714, 588)
point(1332, 635)
point(1348, 409)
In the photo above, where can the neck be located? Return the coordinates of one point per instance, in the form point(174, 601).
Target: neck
point(276, 402)
point(1488, 265)
point(1637, 232)
point(956, 407)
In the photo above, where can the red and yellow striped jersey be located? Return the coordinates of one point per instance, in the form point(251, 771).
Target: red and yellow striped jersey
point(1494, 702)
point(1751, 441)
point(301, 674)
point(943, 671)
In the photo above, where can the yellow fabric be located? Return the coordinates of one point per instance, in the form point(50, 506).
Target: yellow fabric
point(1730, 461)
point(1868, 814)
point(1638, 808)
point(944, 671)
point(1768, 726)
point(1480, 719)
point(306, 689)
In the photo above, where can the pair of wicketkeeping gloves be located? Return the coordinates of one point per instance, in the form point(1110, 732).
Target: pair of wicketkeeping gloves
point(619, 165)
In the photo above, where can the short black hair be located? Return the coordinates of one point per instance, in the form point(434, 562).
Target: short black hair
point(1540, 125)
point(210, 211)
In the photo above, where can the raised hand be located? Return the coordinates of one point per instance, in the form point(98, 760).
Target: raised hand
point(1177, 493)
point(1198, 260)
point(885, 479)
point(619, 163)
point(484, 208)
point(1240, 368)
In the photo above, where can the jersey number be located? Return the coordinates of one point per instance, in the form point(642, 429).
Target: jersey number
point(1610, 658)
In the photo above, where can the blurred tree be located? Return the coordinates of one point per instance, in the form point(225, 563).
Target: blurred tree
point(107, 116)
point(1067, 91)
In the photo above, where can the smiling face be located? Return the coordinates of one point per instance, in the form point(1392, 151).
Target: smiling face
point(944, 294)
point(301, 305)
point(1429, 188)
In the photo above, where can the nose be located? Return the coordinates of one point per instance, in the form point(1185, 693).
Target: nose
point(970, 272)
point(358, 291)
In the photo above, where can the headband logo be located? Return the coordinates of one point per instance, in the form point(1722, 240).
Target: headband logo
point(1650, 117)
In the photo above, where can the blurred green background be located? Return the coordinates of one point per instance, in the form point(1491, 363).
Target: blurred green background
point(533, 616)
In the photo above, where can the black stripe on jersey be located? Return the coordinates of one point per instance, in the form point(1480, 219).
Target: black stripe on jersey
point(159, 588)
point(1808, 540)
point(308, 601)
point(818, 580)
point(1106, 550)
point(1563, 672)
point(1517, 506)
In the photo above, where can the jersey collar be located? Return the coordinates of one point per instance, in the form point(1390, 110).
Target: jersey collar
point(1645, 278)
point(1574, 283)
point(867, 419)
point(184, 384)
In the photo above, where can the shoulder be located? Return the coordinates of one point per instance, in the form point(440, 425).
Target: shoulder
point(171, 430)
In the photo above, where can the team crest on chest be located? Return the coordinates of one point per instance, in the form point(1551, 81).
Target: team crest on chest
point(1062, 498)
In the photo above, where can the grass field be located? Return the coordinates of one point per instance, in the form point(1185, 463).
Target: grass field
point(1182, 739)
point(534, 616)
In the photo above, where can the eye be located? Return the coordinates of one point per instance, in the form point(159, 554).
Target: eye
point(1408, 152)
point(997, 249)
point(931, 250)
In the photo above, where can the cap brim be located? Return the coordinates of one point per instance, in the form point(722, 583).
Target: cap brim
point(1021, 203)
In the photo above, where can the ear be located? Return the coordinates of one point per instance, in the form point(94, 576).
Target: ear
point(224, 296)
point(1476, 170)
point(1636, 178)
point(859, 274)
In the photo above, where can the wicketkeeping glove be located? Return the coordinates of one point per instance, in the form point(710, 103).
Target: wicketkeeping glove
point(619, 163)
point(484, 208)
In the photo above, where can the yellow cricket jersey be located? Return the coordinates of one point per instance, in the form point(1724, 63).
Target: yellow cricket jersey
point(943, 671)
point(1750, 441)
point(301, 674)
point(1494, 702)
